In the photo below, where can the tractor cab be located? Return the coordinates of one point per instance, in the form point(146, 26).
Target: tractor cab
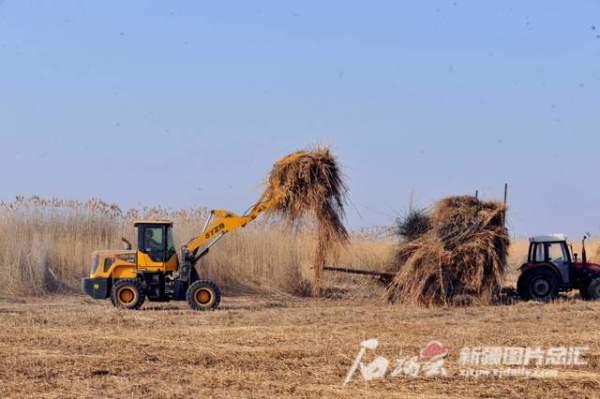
point(551, 250)
point(552, 267)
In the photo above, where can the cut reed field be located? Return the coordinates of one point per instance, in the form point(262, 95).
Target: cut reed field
point(277, 347)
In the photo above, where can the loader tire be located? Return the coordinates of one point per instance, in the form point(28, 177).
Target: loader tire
point(128, 294)
point(592, 291)
point(203, 295)
point(538, 285)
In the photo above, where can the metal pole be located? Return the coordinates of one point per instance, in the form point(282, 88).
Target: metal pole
point(505, 202)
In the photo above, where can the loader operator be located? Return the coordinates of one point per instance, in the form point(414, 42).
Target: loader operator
point(151, 243)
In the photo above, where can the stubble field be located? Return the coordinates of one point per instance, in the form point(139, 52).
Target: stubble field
point(275, 346)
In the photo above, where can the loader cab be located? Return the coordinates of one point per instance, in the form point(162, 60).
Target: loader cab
point(156, 239)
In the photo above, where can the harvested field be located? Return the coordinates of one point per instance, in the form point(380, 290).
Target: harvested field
point(73, 347)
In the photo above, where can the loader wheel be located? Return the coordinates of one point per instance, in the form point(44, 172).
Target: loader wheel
point(592, 291)
point(203, 295)
point(538, 285)
point(127, 294)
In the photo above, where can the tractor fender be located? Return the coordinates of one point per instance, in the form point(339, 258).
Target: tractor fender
point(528, 267)
point(585, 275)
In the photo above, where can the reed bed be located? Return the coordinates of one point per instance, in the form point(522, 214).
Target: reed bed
point(46, 246)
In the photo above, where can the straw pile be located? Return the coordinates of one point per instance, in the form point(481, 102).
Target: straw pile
point(416, 223)
point(460, 258)
point(309, 183)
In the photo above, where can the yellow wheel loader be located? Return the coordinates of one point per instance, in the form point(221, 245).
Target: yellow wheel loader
point(156, 271)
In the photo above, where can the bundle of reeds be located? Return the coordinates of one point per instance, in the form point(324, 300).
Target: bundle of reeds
point(412, 226)
point(310, 183)
point(461, 257)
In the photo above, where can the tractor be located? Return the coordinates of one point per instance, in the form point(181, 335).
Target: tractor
point(553, 267)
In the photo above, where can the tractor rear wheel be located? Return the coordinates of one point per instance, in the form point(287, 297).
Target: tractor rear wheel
point(128, 294)
point(203, 295)
point(592, 291)
point(538, 285)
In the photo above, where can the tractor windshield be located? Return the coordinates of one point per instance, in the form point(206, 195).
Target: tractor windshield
point(556, 253)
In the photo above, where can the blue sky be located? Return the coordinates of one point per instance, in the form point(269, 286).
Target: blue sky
point(187, 103)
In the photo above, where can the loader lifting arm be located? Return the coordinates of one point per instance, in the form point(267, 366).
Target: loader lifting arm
point(222, 222)
point(219, 223)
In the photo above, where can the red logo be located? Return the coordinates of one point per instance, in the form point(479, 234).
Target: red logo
point(434, 349)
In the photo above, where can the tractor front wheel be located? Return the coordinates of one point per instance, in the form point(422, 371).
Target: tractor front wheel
point(538, 285)
point(203, 295)
point(592, 291)
point(128, 294)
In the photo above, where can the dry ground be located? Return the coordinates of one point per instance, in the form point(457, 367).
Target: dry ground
point(73, 347)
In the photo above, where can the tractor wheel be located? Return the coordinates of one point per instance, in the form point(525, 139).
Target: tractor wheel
point(592, 291)
point(522, 288)
point(583, 293)
point(203, 295)
point(538, 285)
point(128, 294)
